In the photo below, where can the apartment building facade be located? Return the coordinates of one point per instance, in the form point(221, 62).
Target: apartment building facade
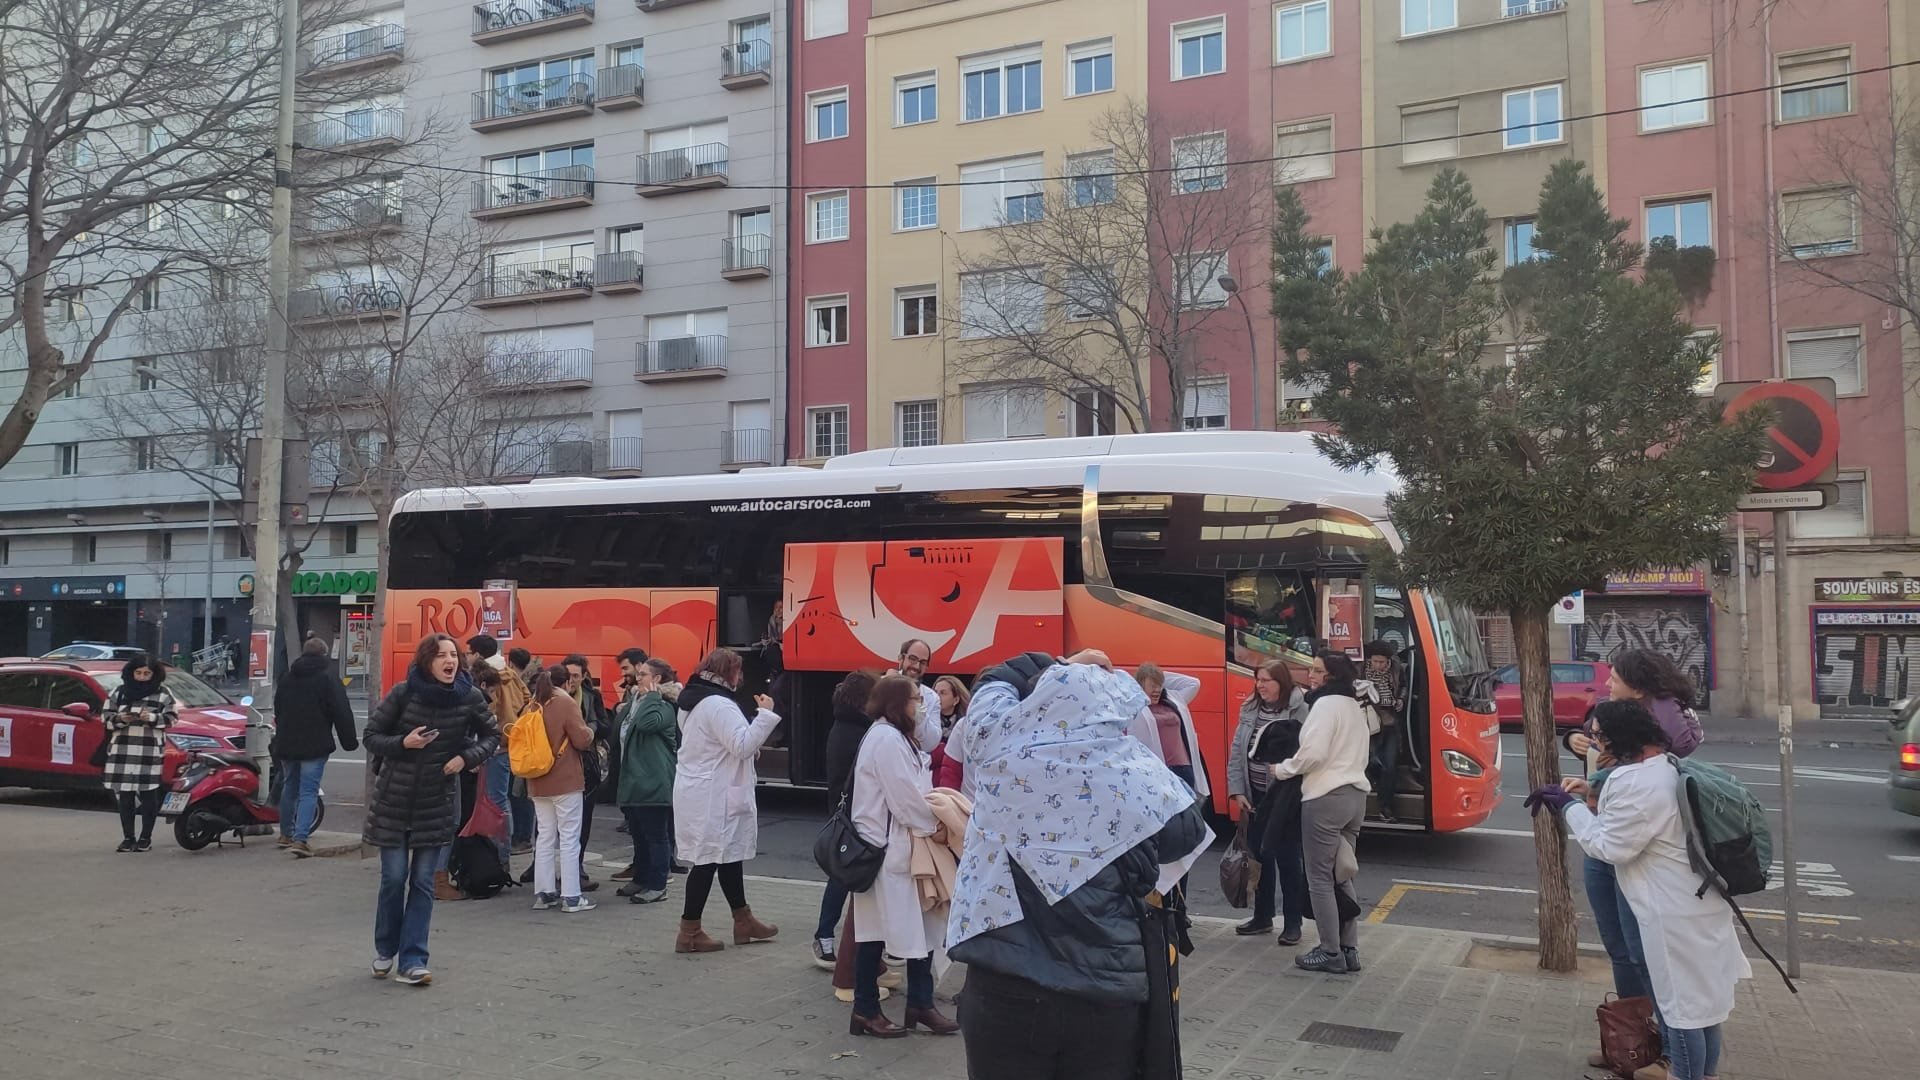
point(1712, 125)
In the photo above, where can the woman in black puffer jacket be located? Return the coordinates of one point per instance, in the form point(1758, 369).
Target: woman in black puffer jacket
point(425, 732)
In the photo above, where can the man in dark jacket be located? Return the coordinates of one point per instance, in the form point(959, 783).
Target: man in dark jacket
point(310, 707)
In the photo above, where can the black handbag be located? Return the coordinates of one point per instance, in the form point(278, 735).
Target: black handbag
point(843, 855)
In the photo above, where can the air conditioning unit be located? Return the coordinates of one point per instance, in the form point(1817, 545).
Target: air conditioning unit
point(571, 458)
point(676, 354)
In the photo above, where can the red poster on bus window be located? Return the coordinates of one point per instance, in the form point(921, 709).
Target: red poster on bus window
point(496, 612)
point(1343, 623)
point(258, 648)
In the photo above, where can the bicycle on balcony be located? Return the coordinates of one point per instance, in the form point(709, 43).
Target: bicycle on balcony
point(503, 16)
point(366, 296)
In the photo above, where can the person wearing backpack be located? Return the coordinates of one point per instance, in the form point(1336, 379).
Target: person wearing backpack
point(1686, 934)
point(558, 793)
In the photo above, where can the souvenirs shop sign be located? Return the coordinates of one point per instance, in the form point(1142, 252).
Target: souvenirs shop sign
point(1874, 590)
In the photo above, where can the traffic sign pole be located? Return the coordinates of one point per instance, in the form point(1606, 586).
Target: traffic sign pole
point(1785, 657)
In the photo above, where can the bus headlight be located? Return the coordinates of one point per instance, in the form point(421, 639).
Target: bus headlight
point(1460, 764)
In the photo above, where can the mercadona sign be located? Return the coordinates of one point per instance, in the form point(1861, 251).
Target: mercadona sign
point(335, 583)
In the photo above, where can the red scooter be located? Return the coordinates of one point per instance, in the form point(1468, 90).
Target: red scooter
point(215, 793)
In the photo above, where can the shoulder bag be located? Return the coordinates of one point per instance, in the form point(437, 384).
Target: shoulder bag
point(843, 854)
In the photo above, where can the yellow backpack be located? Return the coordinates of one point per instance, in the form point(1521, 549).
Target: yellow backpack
point(529, 753)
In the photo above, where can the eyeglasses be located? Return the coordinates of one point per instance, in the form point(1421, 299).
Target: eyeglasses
point(919, 659)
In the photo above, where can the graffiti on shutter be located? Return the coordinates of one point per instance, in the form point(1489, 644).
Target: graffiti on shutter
point(1868, 667)
point(1675, 627)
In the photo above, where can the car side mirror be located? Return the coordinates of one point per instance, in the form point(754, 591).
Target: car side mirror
point(79, 710)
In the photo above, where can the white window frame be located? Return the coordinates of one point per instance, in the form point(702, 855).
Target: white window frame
point(1005, 393)
point(1509, 256)
point(1676, 102)
point(1208, 294)
point(1189, 407)
point(1827, 249)
point(1427, 7)
point(1096, 169)
point(1843, 53)
point(814, 30)
point(842, 440)
point(821, 98)
point(900, 422)
point(1803, 520)
point(1008, 189)
point(900, 189)
point(1192, 29)
point(66, 459)
point(1300, 170)
point(1207, 175)
point(1528, 131)
point(919, 81)
point(1832, 333)
point(1677, 201)
point(1089, 50)
point(982, 330)
point(908, 294)
point(1426, 150)
point(1072, 309)
point(819, 199)
point(816, 306)
point(1282, 11)
point(1709, 375)
point(998, 64)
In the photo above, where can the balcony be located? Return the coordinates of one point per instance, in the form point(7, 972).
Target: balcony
point(746, 446)
point(533, 193)
point(620, 454)
point(745, 257)
point(659, 5)
point(689, 168)
point(348, 217)
point(361, 129)
point(1514, 9)
point(527, 283)
point(746, 63)
point(619, 271)
point(504, 20)
point(668, 359)
point(354, 301)
point(540, 369)
point(560, 98)
point(621, 87)
point(354, 50)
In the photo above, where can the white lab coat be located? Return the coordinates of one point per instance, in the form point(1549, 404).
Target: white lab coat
point(890, 785)
point(714, 816)
point(1693, 956)
point(1179, 692)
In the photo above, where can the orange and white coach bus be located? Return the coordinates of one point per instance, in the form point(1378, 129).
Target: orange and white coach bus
point(1205, 552)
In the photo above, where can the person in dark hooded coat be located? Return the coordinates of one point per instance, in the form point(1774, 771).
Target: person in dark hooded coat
point(309, 707)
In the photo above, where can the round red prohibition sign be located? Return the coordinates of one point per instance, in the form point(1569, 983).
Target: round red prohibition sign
point(1804, 441)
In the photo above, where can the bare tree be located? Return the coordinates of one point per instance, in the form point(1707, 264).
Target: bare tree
point(131, 132)
point(396, 384)
point(1104, 283)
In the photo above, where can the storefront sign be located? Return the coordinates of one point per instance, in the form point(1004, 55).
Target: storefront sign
point(1691, 579)
point(1866, 618)
point(65, 588)
point(1875, 590)
point(335, 583)
point(246, 584)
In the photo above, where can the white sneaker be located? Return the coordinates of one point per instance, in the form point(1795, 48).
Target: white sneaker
point(382, 966)
point(415, 977)
point(823, 954)
point(542, 901)
point(576, 904)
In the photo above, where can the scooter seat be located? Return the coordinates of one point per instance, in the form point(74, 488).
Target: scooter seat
point(232, 757)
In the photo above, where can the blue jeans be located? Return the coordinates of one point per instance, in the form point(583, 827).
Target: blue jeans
point(1619, 930)
point(831, 906)
point(1692, 1053)
point(1287, 870)
point(300, 796)
point(405, 909)
point(522, 807)
point(867, 962)
point(652, 830)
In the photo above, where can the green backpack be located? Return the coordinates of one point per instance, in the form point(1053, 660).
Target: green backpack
point(1728, 841)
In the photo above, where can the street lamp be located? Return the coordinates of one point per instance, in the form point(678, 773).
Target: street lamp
point(1231, 286)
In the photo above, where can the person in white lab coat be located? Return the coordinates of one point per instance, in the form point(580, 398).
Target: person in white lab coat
point(716, 823)
point(889, 804)
point(1166, 725)
point(1693, 957)
point(915, 656)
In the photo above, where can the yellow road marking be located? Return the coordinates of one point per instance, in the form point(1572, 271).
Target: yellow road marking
point(1399, 891)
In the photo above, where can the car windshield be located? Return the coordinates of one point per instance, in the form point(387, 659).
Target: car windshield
point(188, 691)
point(76, 652)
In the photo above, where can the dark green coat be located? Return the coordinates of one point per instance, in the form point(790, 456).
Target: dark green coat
point(649, 746)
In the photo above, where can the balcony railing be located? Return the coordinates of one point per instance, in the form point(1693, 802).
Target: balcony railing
point(540, 369)
point(502, 196)
point(750, 255)
point(659, 5)
point(746, 63)
point(681, 357)
point(350, 215)
point(1513, 9)
point(502, 20)
point(348, 300)
point(621, 453)
point(747, 446)
point(364, 47)
point(353, 129)
point(621, 86)
point(517, 281)
point(661, 171)
point(507, 106)
point(619, 271)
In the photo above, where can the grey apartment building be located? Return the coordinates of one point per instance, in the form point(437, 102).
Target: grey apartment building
point(622, 162)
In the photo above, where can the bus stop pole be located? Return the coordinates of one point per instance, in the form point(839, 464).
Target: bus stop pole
point(1784, 655)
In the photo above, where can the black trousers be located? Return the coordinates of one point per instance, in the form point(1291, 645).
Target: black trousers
point(1018, 1030)
point(733, 885)
point(147, 801)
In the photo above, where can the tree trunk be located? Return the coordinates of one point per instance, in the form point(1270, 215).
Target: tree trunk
point(1559, 947)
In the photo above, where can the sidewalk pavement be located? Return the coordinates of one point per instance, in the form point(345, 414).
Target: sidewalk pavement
point(231, 964)
point(1867, 734)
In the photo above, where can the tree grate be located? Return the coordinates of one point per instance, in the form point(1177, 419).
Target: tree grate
point(1351, 1038)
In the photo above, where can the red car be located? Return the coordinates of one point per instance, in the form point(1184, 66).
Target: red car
point(50, 721)
point(1578, 685)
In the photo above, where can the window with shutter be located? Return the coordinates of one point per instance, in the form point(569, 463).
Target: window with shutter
point(1206, 405)
point(1430, 134)
point(1816, 84)
point(1833, 354)
point(1305, 151)
point(1846, 515)
point(1819, 223)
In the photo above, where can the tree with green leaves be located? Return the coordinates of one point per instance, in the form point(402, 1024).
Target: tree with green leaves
point(1587, 452)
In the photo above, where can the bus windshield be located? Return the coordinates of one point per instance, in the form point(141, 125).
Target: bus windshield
point(1461, 652)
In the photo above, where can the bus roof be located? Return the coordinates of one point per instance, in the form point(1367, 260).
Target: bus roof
point(1274, 465)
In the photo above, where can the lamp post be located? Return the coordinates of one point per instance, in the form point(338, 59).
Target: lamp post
point(1231, 286)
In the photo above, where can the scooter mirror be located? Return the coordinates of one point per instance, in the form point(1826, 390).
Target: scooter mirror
point(248, 700)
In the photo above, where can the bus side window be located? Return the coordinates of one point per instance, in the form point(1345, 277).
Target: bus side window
point(1269, 613)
